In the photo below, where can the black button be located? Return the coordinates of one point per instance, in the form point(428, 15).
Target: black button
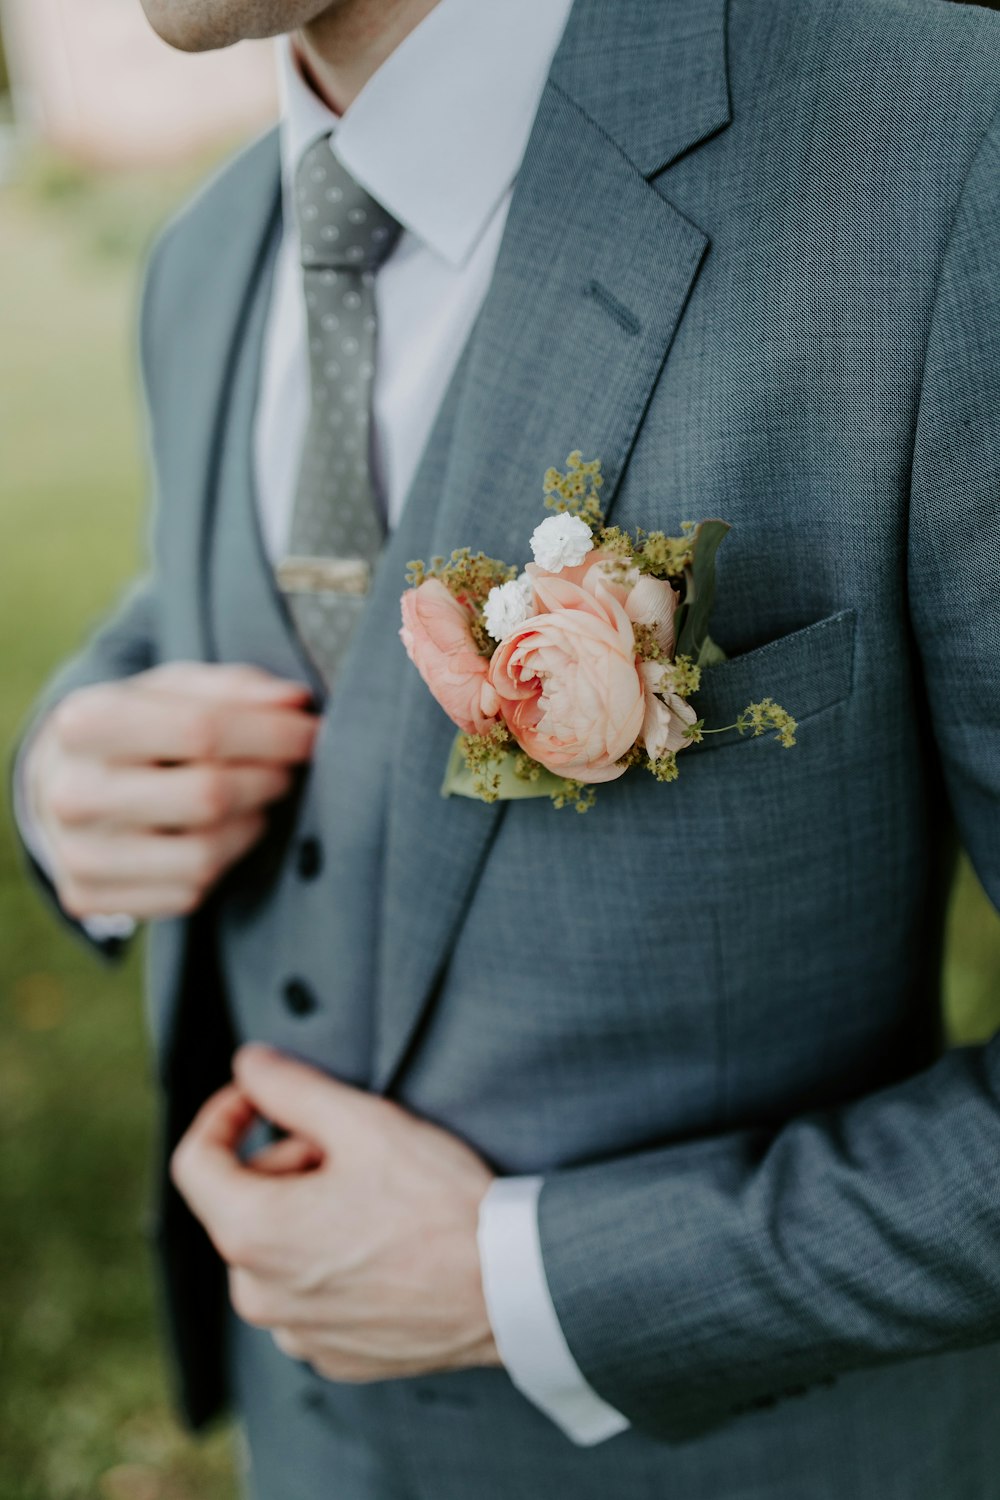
point(310, 859)
point(299, 998)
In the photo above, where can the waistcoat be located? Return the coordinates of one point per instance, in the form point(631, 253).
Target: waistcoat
point(298, 922)
point(296, 956)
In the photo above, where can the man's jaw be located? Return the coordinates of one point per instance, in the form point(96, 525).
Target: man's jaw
point(206, 25)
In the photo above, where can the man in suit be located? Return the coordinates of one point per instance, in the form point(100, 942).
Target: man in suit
point(616, 1155)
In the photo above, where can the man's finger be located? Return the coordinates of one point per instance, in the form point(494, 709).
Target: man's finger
point(168, 797)
point(142, 902)
point(192, 731)
point(305, 1101)
point(232, 1201)
point(286, 1158)
point(140, 726)
point(292, 1345)
point(195, 860)
point(217, 682)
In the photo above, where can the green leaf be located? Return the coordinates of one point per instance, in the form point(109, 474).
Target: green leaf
point(459, 781)
point(700, 590)
point(710, 654)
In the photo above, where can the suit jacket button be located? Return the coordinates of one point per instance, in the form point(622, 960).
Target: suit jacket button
point(299, 998)
point(310, 859)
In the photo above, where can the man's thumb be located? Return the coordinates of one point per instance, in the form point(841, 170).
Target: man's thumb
point(298, 1097)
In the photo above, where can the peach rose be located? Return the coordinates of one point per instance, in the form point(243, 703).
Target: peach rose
point(646, 600)
point(653, 602)
point(666, 716)
point(439, 643)
point(619, 580)
point(567, 681)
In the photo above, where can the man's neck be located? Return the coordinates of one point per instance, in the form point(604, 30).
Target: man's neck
point(342, 48)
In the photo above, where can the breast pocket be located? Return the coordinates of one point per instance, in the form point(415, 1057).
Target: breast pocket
point(807, 671)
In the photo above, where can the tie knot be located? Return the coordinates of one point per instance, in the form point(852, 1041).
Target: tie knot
point(341, 227)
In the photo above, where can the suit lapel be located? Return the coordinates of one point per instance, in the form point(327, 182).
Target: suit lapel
point(593, 275)
point(218, 299)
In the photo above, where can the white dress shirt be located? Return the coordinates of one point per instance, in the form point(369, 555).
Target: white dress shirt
point(436, 136)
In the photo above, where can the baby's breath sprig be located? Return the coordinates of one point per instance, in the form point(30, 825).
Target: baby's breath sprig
point(635, 757)
point(567, 794)
point(576, 794)
point(483, 755)
point(759, 718)
point(665, 556)
point(485, 644)
point(466, 574)
point(577, 492)
point(647, 647)
point(526, 769)
point(666, 768)
point(618, 543)
point(685, 677)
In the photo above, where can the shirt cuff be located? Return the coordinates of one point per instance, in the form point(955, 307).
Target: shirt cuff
point(115, 927)
point(528, 1335)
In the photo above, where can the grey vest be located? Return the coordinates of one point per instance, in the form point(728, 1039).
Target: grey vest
point(298, 922)
point(278, 927)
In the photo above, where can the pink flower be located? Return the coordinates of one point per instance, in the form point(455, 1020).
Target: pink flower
point(666, 715)
point(646, 600)
point(653, 602)
point(439, 643)
point(567, 681)
point(619, 580)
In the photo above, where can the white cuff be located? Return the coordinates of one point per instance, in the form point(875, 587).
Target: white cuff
point(528, 1336)
point(102, 928)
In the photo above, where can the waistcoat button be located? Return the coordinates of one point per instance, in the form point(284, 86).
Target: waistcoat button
point(310, 859)
point(299, 998)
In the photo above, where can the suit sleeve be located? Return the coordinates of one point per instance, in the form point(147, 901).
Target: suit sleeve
point(126, 643)
point(709, 1278)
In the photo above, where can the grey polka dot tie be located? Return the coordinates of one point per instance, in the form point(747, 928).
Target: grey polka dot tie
point(337, 530)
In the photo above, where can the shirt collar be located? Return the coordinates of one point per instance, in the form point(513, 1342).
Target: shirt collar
point(438, 133)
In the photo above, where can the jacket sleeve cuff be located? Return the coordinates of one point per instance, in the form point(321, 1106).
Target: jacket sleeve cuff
point(528, 1335)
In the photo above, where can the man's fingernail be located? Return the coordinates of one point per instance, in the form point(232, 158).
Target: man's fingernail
point(282, 691)
point(256, 1049)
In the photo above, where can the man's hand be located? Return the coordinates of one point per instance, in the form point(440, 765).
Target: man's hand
point(147, 790)
point(354, 1240)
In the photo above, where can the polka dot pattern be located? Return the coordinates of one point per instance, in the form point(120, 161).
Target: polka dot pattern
point(341, 227)
point(345, 235)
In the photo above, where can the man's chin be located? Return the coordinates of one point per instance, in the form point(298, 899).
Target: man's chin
point(205, 25)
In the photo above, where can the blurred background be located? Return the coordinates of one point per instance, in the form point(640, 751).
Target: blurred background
point(102, 131)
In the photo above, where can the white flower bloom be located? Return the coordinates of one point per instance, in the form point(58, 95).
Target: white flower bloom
point(561, 541)
point(507, 606)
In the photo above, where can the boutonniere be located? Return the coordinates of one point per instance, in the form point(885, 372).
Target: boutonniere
point(581, 667)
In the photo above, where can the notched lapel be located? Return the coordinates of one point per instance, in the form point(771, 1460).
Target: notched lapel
point(591, 282)
point(651, 73)
point(213, 289)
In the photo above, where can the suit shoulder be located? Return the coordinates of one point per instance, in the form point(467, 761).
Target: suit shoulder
point(215, 211)
point(908, 87)
point(940, 51)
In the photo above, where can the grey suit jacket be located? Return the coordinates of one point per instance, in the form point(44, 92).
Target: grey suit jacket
point(752, 263)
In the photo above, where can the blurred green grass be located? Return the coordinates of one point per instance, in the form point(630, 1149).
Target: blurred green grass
point(84, 1410)
point(83, 1407)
